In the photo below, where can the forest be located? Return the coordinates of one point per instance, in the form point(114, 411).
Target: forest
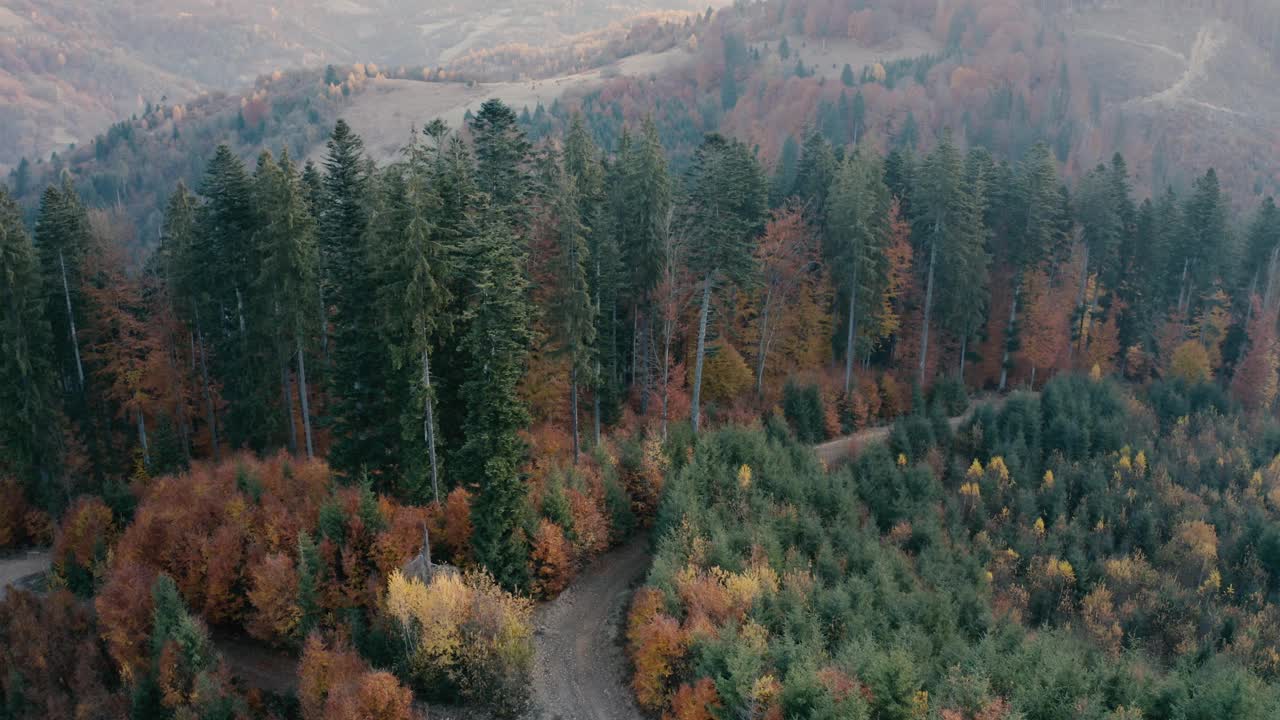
point(530, 347)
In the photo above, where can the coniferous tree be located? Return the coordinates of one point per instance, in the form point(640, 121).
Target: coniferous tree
point(496, 343)
point(963, 281)
point(641, 204)
point(1262, 251)
point(583, 162)
point(363, 424)
point(814, 174)
point(62, 240)
point(859, 230)
point(414, 296)
point(1035, 233)
point(287, 279)
point(28, 375)
point(573, 312)
point(724, 213)
point(944, 213)
point(502, 156)
point(1205, 244)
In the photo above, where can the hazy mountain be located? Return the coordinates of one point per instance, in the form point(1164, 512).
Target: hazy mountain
point(69, 68)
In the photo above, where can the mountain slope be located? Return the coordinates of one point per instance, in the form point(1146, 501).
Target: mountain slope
point(69, 68)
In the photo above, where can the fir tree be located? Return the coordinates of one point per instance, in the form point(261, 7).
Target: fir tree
point(28, 380)
point(724, 213)
point(859, 229)
point(496, 343)
point(502, 156)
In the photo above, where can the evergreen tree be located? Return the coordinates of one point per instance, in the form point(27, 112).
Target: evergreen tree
point(846, 75)
point(572, 311)
point(963, 280)
point(1205, 245)
point(948, 224)
point(28, 378)
point(724, 213)
point(287, 279)
point(363, 422)
point(859, 228)
point(582, 161)
point(502, 156)
point(414, 296)
point(496, 343)
point(641, 204)
point(813, 179)
point(1261, 251)
point(62, 240)
point(1035, 232)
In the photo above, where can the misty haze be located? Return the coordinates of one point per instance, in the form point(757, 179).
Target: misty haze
point(627, 359)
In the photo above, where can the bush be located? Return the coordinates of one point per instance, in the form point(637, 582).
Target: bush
point(949, 396)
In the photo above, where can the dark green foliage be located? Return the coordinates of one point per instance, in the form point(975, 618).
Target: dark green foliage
point(802, 407)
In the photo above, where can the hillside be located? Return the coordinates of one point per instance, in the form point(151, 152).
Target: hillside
point(69, 68)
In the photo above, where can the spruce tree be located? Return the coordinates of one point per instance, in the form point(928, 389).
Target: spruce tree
point(28, 375)
point(724, 213)
point(364, 425)
point(287, 280)
point(572, 311)
point(414, 295)
point(1036, 233)
point(859, 230)
point(496, 343)
point(583, 162)
point(62, 240)
point(502, 156)
point(963, 280)
point(948, 226)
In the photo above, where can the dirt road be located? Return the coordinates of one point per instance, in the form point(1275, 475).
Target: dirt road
point(580, 668)
point(19, 568)
point(845, 448)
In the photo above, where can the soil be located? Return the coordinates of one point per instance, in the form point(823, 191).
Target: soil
point(579, 668)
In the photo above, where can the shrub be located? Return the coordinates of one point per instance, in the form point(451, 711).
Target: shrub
point(803, 409)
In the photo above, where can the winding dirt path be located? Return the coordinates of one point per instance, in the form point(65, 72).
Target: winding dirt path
point(580, 667)
point(20, 568)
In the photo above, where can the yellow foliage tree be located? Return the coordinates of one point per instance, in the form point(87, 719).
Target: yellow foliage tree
point(1190, 363)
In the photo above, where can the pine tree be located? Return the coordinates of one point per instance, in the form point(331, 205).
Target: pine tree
point(28, 376)
point(1205, 245)
point(641, 204)
point(1035, 233)
point(224, 265)
point(724, 213)
point(364, 426)
point(496, 343)
point(582, 161)
point(963, 280)
point(859, 231)
point(948, 218)
point(179, 270)
point(414, 296)
point(62, 239)
point(502, 156)
point(814, 174)
point(1262, 251)
point(287, 279)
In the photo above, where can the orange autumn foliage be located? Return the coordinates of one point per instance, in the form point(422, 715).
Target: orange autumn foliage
point(336, 684)
point(87, 529)
point(274, 596)
point(124, 606)
point(551, 560)
point(656, 648)
point(699, 702)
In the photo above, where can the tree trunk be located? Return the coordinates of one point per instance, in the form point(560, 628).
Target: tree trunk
point(1184, 291)
point(595, 405)
point(928, 308)
point(1008, 339)
point(208, 394)
point(763, 347)
point(702, 349)
point(306, 402)
point(1271, 276)
point(964, 350)
point(240, 310)
point(667, 332)
point(853, 331)
point(573, 407)
point(1080, 308)
point(142, 440)
point(71, 321)
point(324, 328)
point(645, 376)
point(286, 390)
point(429, 424)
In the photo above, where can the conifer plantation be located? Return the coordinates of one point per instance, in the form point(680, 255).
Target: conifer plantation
point(364, 416)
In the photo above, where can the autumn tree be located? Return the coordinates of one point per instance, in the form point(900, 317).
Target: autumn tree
point(1255, 380)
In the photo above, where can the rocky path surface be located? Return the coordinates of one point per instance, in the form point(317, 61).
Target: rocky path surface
point(580, 667)
point(21, 568)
